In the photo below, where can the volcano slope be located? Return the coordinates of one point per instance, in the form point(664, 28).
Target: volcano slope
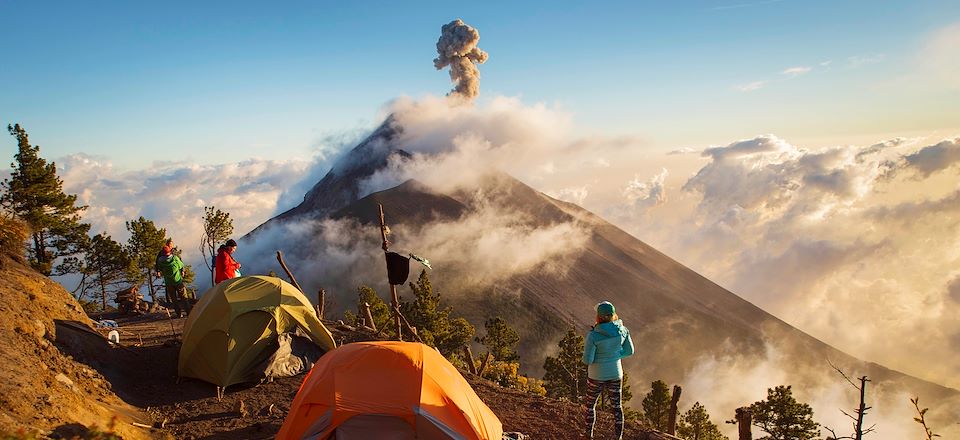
point(678, 318)
point(44, 390)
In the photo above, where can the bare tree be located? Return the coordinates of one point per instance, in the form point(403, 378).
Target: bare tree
point(861, 411)
point(217, 227)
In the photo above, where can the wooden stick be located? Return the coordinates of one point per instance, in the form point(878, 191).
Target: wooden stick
point(289, 274)
point(470, 365)
point(321, 300)
point(410, 328)
point(369, 316)
point(394, 299)
point(483, 364)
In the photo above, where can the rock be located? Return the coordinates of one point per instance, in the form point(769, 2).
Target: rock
point(60, 377)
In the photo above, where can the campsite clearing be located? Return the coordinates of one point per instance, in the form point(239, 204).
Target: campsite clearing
point(191, 410)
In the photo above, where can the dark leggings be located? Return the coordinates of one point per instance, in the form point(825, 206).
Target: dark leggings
point(612, 388)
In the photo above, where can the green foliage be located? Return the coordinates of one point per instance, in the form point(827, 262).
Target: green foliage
point(144, 244)
point(433, 322)
point(695, 424)
point(217, 228)
point(378, 309)
point(656, 405)
point(34, 194)
point(501, 340)
point(105, 268)
point(782, 417)
point(506, 374)
point(13, 233)
point(566, 374)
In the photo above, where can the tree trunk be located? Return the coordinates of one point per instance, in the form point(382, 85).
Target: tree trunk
point(38, 250)
point(672, 421)
point(103, 289)
point(863, 407)
point(150, 288)
point(744, 419)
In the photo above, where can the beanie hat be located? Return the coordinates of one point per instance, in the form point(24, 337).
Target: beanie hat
point(231, 242)
point(606, 309)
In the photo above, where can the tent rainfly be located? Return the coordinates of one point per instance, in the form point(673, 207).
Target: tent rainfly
point(233, 331)
point(387, 390)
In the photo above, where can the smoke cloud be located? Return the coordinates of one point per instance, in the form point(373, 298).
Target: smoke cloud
point(457, 48)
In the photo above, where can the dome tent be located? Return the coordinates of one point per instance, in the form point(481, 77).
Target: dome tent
point(234, 329)
point(387, 390)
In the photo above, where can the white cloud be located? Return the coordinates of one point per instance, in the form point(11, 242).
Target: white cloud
point(646, 193)
point(682, 150)
point(173, 195)
point(934, 158)
point(796, 71)
point(751, 86)
point(829, 241)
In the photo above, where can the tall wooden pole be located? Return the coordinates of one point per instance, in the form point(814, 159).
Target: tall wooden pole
point(394, 299)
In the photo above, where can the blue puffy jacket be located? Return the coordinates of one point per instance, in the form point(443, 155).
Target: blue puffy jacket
point(606, 344)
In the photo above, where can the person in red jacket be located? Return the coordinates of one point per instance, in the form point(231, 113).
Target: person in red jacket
point(226, 266)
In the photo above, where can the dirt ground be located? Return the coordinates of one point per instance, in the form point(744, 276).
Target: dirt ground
point(190, 410)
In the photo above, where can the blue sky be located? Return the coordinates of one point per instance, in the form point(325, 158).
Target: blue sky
point(141, 82)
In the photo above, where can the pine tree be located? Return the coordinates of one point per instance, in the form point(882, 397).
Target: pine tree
point(217, 228)
point(656, 405)
point(35, 194)
point(784, 418)
point(501, 340)
point(143, 246)
point(566, 374)
point(105, 268)
point(433, 322)
point(695, 424)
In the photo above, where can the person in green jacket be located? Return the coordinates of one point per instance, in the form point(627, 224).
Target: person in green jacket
point(607, 343)
point(170, 267)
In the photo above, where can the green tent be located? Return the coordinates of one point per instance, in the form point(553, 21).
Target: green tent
point(233, 330)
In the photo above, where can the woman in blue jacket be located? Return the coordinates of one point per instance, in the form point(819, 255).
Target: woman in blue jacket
point(607, 343)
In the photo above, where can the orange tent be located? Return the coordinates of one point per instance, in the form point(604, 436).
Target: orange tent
point(387, 390)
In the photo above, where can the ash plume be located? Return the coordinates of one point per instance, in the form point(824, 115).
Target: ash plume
point(457, 48)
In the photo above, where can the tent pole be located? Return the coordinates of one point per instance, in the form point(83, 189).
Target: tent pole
point(394, 299)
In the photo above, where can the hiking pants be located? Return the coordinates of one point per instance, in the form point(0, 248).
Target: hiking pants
point(612, 388)
point(177, 298)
